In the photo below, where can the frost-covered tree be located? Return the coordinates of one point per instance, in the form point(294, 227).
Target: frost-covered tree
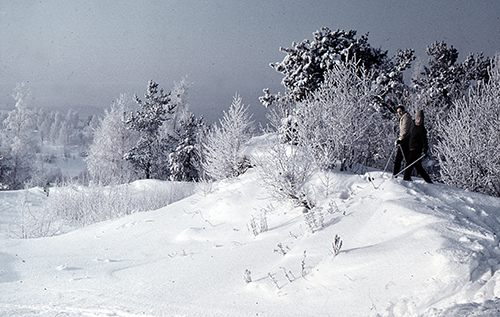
point(306, 63)
point(185, 159)
point(179, 96)
point(442, 81)
point(55, 128)
point(112, 139)
point(469, 138)
point(18, 140)
point(150, 154)
point(341, 125)
point(222, 157)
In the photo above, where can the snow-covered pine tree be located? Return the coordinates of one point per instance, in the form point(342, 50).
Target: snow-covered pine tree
point(222, 147)
point(185, 160)
point(112, 139)
point(442, 81)
point(306, 63)
point(150, 154)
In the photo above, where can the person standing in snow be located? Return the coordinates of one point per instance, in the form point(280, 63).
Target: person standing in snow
point(418, 143)
point(405, 127)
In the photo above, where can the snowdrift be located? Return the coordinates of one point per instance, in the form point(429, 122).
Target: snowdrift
point(408, 249)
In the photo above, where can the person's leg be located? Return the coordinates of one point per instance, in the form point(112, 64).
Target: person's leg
point(412, 157)
point(397, 161)
point(408, 171)
point(422, 172)
point(406, 152)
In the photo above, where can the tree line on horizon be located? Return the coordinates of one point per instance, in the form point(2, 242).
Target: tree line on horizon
point(337, 108)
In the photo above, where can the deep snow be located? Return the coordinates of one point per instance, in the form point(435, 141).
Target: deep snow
point(408, 249)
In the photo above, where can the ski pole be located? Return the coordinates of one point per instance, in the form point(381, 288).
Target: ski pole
point(392, 153)
point(402, 152)
point(423, 155)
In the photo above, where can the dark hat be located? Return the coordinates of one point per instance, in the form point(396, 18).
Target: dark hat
point(420, 114)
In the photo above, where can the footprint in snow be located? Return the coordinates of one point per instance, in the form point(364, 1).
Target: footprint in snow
point(64, 267)
point(106, 260)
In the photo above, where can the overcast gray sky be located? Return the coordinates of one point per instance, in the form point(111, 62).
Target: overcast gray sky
point(86, 53)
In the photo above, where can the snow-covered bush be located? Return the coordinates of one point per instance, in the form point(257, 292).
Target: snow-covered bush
point(342, 125)
point(32, 223)
point(222, 157)
point(469, 139)
point(284, 171)
point(112, 139)
point(150, 154)
point(73, 205)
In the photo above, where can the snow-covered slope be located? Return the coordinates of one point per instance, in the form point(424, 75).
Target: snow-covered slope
point(408, 249)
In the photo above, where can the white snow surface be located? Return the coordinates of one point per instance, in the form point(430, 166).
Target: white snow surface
point(408, 249)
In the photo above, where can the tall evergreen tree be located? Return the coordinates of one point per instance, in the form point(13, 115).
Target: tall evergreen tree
point(444, 80)
point(150, 154)
point(185, 159)
point(306, 63)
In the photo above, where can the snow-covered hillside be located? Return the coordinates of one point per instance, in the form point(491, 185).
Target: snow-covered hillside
point(408, 249)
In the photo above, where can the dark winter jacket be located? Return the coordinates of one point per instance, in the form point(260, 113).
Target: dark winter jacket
point(418, 139)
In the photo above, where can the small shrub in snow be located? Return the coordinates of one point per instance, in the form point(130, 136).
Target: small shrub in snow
point(285, 171)
point(32, 223)
point(247, 276)
point(274, 280)
point(303, 265)
point(289, 276)
point(253, 225)
point(336, 245)
point(263, 222)
point(314, 219)
point(260, 226)
point(205, 185)
point(281, 250)
point(333, 207)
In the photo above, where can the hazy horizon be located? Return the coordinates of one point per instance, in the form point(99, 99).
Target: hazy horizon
point(87, 53)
